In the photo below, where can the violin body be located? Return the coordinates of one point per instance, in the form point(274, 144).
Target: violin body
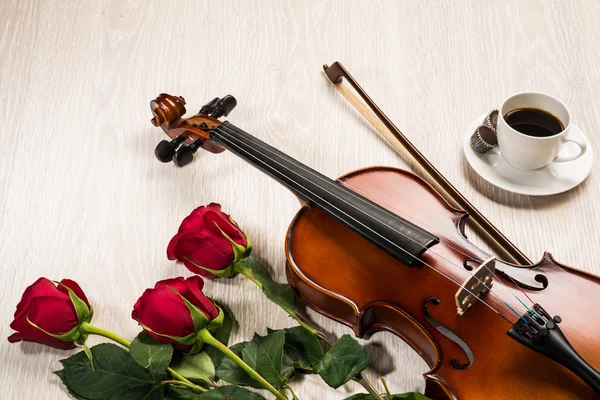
point(347, 278)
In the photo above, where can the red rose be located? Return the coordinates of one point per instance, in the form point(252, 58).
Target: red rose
point(209, 242)
point(51, 314)
point(176, 310)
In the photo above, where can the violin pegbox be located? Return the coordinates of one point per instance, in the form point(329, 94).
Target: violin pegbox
point(187, 134)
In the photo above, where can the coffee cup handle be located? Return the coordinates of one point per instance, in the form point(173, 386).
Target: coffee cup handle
point(582, 148)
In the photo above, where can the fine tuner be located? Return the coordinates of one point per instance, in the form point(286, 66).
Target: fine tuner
point(170, 109)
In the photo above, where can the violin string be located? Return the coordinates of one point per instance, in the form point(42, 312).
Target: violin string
point(354, 193)
point(399, 247)
point(448, 243)
point(267, 148)
point(223, 129)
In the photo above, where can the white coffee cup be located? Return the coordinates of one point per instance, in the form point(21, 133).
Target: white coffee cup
point(530, 152)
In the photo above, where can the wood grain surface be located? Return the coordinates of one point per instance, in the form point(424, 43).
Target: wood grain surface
point(82, 196)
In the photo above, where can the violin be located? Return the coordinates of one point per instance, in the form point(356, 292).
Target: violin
point(380, 249)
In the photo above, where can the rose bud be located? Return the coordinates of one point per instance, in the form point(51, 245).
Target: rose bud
point(176, 310)
point(209, 243)
point(51, 314)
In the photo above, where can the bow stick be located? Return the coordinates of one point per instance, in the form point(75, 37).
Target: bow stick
point(382, 123)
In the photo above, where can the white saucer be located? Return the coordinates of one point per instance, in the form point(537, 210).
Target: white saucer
point(552, 179)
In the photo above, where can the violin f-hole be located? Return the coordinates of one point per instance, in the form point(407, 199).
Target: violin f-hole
point(455, 364)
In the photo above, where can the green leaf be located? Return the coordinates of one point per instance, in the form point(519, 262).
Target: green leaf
point(411, 396)
point(117, 376)
point(360, 396)
point(181, 393)
point(287, 367)
point(404, 396)
point(264, 354)
point(303, 348)
point(344, 360)
point(222, 335)
point(230, 393)
point(61, 375)
point(220, 393)
point(197, 367)
point(87, 352)
point(230, 372)
point(279, 293)
point(151, 354)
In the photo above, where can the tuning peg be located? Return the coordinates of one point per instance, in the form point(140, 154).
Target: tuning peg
point(209, 107)
point(165, 150)
point(224, 106)
point(185, 154)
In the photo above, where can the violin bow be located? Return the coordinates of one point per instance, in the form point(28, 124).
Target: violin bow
point(396, 138)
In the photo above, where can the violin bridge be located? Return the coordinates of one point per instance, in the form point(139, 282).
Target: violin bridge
point(476, 286)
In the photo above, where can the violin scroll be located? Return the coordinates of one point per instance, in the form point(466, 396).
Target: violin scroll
point(187, 134)
point(167, 108)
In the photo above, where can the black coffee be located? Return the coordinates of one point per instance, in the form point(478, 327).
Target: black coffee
point(534, 122)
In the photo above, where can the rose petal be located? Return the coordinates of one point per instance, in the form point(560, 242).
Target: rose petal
point(40, 337)
point(164, 312)
point(174, 283)
point(192, 221)
point(195, 285)
point(171, 247)
point(41, 287)
point(75, 288)
point(214, 207)
point(194, 269)
point(212, 253)
point(160, 338)
point(54, 315)
point(177, 283)
point(191, 289)
point(221, 222)
point(205, 224)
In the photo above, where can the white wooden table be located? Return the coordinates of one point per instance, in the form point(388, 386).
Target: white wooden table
point(82, 196)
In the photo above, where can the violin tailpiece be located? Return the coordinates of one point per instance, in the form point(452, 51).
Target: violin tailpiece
point(476, 286)
point(540, 332)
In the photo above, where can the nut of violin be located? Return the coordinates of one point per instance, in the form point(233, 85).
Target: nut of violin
point(167, 108)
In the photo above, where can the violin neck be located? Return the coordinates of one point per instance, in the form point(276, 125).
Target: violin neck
point(399, 237)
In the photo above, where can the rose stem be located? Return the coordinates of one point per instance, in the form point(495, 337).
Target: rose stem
point(88, 328)
point(364, 382)
point(288, 387)
point(207, 338)
point(387, 389)
point(246, 272)
point(361, 379)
